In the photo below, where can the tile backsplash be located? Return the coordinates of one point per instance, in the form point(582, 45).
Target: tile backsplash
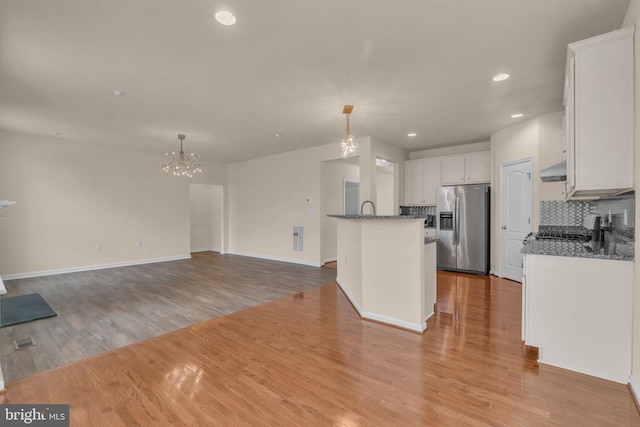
point(422, 210)
point(572, 213)
point(554, 212)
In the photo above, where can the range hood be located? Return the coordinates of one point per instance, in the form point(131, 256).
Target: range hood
point(557, 172)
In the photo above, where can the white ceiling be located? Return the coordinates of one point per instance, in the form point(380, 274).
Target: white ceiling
point(286, 67)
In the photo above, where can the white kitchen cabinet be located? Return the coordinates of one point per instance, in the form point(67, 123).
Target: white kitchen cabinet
point(578, 312)
point(599, 109)
point(422, 177)
point(453, 171)
point(477, 168)
point(467, 169)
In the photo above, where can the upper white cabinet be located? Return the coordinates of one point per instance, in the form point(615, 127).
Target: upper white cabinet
point(422, 177)
point(467, 169)
point(599, 109)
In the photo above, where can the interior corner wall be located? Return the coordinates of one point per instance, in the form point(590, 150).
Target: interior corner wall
point(633, 18)
point(72, 195)
point(270, 195)
point(334, 173)
point(541, 139)
point(516, 142)
point(551, 151)
point(384, 192)
point(206, 217)
point(387, 151)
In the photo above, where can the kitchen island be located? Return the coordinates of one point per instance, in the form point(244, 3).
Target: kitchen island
point(387, 268)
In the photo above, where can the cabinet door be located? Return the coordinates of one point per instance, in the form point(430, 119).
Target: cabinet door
point(414, 183)
point(477, 169)
point(453, 171)
point(431, 180)
point(604, 119)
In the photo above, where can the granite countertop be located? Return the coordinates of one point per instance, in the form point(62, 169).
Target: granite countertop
point(579, 249)
point(378, 216)
point(428, 240)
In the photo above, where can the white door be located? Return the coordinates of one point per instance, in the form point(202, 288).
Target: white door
point(516, 196)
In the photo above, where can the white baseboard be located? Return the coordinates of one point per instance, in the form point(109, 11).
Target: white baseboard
point(272, 258)
point(329, 260)
point(354, 303)
point(92, 267)
point(383, 319)
point(205, 250)
point(634, 388)
point(395, 322)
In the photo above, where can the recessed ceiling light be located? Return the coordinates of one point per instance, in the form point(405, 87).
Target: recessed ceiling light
point(118, 92)
point(500, 77)
point(517, 115)
point(277, 135)
point(412, 134)
point(225, 18)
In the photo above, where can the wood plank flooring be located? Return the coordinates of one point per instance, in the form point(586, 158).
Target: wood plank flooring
point(103, 310)
point(308, 359)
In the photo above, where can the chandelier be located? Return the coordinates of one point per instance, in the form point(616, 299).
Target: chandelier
point(348, 146)
point(182, 163)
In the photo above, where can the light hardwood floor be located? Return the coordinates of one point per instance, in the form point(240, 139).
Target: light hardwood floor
point(103, 310)
point(308, 359)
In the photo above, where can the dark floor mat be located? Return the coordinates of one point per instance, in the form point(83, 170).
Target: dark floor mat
point(23, 308)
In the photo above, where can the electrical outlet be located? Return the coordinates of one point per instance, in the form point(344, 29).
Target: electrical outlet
point(98, 246)
point(139, 243)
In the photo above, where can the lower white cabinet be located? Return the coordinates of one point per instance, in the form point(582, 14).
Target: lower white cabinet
point(578, 312)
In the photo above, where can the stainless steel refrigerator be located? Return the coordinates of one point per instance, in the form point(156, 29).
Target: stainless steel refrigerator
point(462, 223)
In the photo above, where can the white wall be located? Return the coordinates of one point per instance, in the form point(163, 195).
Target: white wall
point(633, 18)
point(521, 141)
point(451, 151)
point(380, 149)
point(334, 173)
point(384, 191)
point(73, 195)
point(551, 151)
point(268, 196)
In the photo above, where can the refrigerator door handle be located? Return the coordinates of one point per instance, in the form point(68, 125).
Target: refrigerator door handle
point(456, 226)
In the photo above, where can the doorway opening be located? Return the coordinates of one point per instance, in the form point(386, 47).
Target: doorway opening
point(207, 218)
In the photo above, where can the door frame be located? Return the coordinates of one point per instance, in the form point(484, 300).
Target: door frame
point(503, 199)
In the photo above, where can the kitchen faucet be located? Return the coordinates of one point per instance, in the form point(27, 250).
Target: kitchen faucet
point(372, 205)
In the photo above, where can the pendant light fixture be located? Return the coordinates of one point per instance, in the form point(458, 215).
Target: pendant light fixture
point(348, 146)
point(182, 163)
